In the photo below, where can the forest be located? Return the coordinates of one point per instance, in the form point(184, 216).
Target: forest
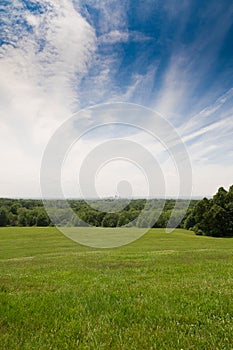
point(212, 217)
point(209, 217)
point(104, 213)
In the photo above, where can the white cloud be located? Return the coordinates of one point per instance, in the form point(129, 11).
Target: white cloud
point(205, 116)
point(189, 65)
point(112, 14)
point(207, 178)
point(225, 124)
point(38, 75)
point(117, 36)
point(208, 134)
point(176, 84)
point(114, 36)
point(159, 166)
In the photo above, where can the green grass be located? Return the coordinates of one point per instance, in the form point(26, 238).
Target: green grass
point(164, 291)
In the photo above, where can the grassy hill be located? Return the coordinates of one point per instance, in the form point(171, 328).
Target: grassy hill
point(164, 291)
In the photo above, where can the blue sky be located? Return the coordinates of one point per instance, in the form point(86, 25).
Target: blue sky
point(175, 57)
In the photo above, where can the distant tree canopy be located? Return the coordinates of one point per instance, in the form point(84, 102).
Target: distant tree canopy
point(212, 217)
point(104, 213)
point(23, 212)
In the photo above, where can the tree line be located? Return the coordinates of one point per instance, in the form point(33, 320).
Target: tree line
point(209, 217)
point(99, 213)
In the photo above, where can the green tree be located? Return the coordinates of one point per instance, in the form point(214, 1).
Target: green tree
point(3, 216)
point(42, 219)
point(110, 220)
point(14, 208)
point(213, 217)
point(122, 220)
point(189, 221)
point(218, 221)
point(220, 198)
point(12, 219)
point(163, 218)
point(22, 217)
point(31, 217)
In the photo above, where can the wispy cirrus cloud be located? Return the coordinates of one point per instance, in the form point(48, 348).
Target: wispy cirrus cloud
point(194, 59)
point(208, 138)
point(209, 131)
point(117, 36)
point(205, 116)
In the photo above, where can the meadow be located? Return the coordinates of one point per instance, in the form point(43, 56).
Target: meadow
point(163, 291)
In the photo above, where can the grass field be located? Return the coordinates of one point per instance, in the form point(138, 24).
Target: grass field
point(164, 291)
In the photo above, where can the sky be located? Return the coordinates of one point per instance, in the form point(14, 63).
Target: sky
point(172, 57)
